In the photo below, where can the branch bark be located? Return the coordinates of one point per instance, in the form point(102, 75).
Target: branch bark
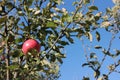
point(7, 53)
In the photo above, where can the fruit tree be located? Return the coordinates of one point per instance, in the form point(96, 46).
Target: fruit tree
point(33, 34)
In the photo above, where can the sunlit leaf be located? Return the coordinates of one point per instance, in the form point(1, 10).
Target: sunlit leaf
point(37, 12)
point(105, 24)
point(69, 19)
point(58, 1)
point(59, 55)
point(86, 1)
point(46, 62)
point(21, 13)
point(57, 69)
point(89, 35)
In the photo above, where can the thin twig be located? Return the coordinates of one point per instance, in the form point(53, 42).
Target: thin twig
point(117, 71)
point(63, 30)
point(109, 47)
point(85, 52)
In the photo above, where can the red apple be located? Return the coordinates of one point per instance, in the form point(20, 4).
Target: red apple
point(29, 45)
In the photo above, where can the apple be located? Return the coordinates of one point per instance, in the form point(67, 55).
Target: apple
point(29, 45)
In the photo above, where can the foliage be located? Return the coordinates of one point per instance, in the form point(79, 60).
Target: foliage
point(110, 22)
point(54, 27)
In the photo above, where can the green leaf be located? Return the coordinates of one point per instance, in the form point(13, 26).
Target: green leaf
point(51, 24)
point(12, 67)
point(63, 43)
point(18, 40)
point(11, 38)
point(86, 1)
point(60, 60)
point(1, 50)
point(96, 73)
point(108, 10)
point(74, 3)
point(70, 40)
point(29, 3)
point(57, 69)
point(53, 58)
point(69, 19)
point(93, 8)
point(9, 5)
point(16, 53)
point(117, 52)
point(97, 36)
point(59, 55)
point(98, 16)
point(3, 19)
point(98, 47)
point(88, 22)
point(85, 64)
point(67, 34)
point(93, 55)
point(105, 51)
point(46, 62)
point(86, 78)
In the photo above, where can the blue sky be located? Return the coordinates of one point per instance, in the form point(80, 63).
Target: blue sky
point(71, 68)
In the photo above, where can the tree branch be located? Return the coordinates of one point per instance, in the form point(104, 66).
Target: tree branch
point(109, 47)
point(63, 30)
point(7, 53)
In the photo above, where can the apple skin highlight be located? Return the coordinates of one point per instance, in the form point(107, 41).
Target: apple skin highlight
point(29, 45)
